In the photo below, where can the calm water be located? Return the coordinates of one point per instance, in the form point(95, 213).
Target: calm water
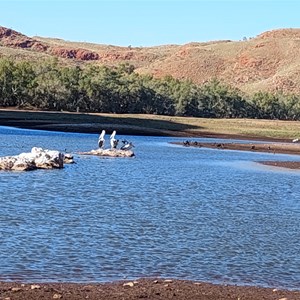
point(189, 213)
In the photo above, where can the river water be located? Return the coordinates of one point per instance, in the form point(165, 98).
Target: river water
point(189, 213)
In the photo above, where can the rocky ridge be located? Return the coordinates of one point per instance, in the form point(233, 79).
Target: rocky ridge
point(268, 62)
point(13, 39)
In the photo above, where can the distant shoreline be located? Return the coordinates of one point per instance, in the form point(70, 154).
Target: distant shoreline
point(127, 124)
point(273, 148)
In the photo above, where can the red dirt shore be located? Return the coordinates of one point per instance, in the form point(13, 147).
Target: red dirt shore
point(156, 289)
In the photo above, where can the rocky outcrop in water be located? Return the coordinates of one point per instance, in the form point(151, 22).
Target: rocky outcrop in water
point(38, 158)
point(110, 153)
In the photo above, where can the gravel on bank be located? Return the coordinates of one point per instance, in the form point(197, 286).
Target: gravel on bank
point(156, 289)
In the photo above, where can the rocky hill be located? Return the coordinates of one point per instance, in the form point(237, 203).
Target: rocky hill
point(268, 62)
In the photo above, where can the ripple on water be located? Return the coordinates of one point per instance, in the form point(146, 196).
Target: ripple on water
point(171, 211)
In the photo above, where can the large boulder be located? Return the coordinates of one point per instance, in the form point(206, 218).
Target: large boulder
point(38, 158)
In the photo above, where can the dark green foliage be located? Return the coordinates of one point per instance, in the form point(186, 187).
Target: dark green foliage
point(222, 101)
point(278, 106)
point(50, 86)
point(7, 70)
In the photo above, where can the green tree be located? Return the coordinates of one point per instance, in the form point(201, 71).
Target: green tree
point(7, 69)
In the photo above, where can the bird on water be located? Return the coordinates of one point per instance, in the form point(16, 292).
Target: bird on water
point(126, 145)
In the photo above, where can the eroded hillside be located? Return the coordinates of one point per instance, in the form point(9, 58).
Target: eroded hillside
point(268, 62)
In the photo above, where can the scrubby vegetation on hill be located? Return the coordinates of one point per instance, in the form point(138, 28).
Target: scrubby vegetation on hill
point(47, 85)
point(268, 62)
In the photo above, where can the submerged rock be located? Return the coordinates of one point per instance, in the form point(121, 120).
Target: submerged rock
point(38, 158)
point(68, 158)
point(110, 153)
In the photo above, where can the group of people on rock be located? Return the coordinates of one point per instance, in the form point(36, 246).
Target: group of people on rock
point(113, 142)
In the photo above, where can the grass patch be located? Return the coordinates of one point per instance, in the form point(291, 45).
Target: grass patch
point(151, 124)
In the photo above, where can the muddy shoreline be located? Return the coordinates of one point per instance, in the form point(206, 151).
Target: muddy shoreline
point(274, 148)
point(159, 289)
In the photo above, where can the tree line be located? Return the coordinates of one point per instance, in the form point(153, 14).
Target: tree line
point(48, 85)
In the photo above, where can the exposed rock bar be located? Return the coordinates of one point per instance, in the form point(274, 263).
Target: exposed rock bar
point(109, 153)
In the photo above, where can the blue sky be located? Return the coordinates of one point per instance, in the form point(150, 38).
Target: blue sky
point(148, 22)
